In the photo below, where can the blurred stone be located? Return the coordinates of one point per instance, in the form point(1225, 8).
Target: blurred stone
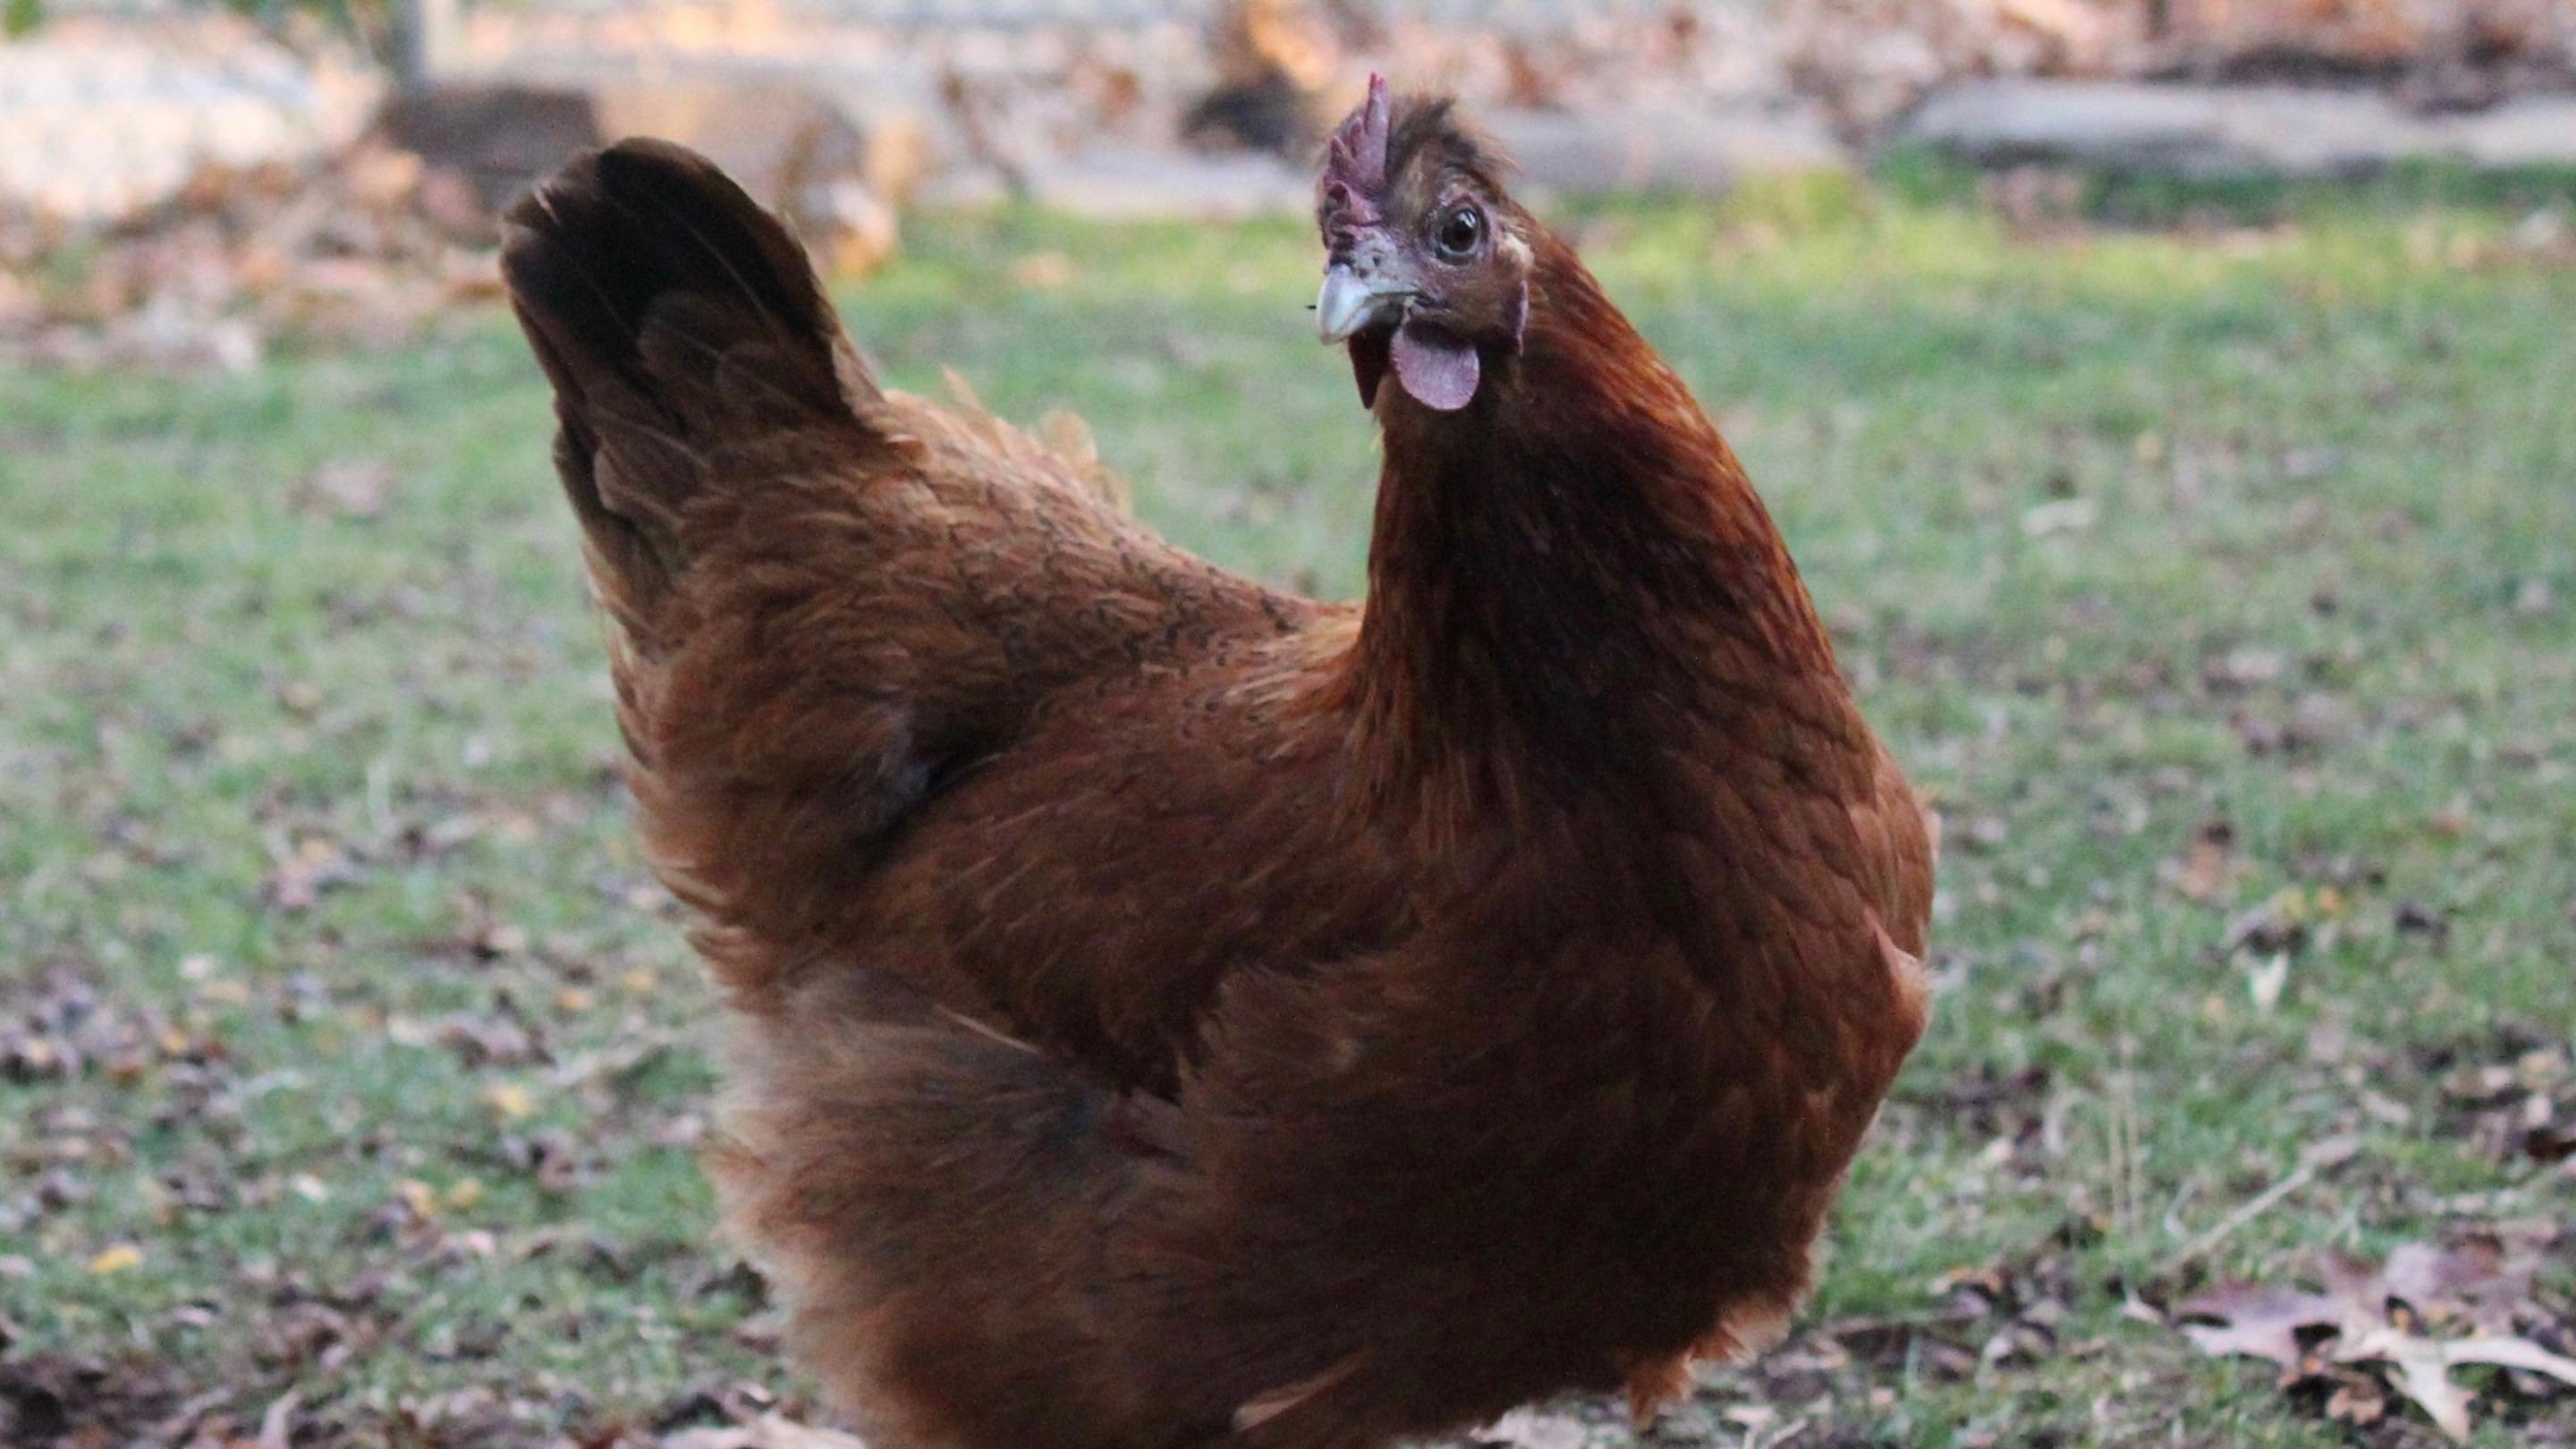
point(2195, 130)
point(2533, 130)
point(2306, 37)
point(1119, 185)
point(104, 116)
point(1698, 150)
point(1273, 61)
point(499, 137)
point(789, 148)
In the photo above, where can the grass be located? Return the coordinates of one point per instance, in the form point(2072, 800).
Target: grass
point(2218, 582)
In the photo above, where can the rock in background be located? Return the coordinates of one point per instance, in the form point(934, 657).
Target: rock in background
point(791, 150)
point(104, 118)
point(181, 188)
point(2233, 130)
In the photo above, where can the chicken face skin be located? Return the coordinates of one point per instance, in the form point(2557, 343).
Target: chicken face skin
point(1427, 262)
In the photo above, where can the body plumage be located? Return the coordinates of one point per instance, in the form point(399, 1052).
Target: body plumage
point(1170, 1012)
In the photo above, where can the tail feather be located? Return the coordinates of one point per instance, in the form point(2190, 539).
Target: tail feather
point(828, 603)
point(677, 320)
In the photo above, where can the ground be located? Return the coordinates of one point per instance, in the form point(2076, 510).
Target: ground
point(2215, 578)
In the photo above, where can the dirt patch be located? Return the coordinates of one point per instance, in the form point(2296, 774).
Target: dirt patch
point(47, 1401)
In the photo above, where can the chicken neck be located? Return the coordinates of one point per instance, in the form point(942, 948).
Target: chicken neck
point(1569, 577)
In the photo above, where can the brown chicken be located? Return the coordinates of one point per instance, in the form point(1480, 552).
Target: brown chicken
point(1174, 1013)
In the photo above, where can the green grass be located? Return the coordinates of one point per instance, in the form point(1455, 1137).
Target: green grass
point(2123, 534)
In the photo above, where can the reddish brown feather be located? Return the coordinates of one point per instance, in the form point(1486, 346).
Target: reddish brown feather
point(1172, 1013)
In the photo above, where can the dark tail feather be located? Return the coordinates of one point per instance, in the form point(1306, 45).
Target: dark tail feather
point(677, 320)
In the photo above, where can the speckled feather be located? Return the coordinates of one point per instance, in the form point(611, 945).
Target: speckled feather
point(1171, 1013)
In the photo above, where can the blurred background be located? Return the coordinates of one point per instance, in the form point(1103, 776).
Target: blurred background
point(2167, 400)
point(258, 166)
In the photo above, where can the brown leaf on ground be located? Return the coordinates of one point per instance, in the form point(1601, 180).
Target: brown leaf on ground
point(47, 1400)
point(2423, 1374)
point(1530, 1429)
point(769, 1431)
point(2252, 1321)
point(2513, 1097)
point(312, 865)
point(2487, 1278)
point(344, 488)
point(2210, 869)
point(2486, 1281)
point(2357, 1399)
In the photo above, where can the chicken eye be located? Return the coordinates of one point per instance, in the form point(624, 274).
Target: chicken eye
point(1459, 232)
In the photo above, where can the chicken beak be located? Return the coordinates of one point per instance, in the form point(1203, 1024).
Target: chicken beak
point(1351, 303)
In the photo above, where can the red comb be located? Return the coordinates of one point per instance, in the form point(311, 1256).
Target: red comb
point(1355, 170)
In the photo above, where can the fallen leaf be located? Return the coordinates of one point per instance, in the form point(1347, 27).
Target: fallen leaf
point(2482, 1278)
point(2063, 515)
point(2513, 1353)
point(2358, 1399)
point(510, 1101)
point(2209, 870)
point(2265, 980)
point(1530, 1429)
point(344, 488)
point(769, 1431)
point(312, 866)
point(2423, 1373)
point(1042, 271)
point(2257, 1322)
point(277, 1425)
point(2374, 1314)
point(418, 1196)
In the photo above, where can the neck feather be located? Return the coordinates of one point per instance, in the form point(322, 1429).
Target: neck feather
point(1569, 576)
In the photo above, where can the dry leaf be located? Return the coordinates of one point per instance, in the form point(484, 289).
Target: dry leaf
point(2369, 1314)
point(2484, 1278)
point(1529, 1429)
point(1043, 271)
point(313, 865)
point(2423, 1373)
point(770, 1431)
point(344, 488)
point(2358, 1399)
point(509, 1101)
point(2209, 870)
point(2265, 980)
point(277, 1424)
point(2512, 1353)
point(2059, 516)
point(2257, 1322)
